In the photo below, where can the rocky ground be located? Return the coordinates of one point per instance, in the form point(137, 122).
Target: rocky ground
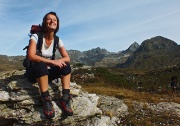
point(20, 104)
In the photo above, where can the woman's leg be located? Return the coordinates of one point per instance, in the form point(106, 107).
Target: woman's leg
point(41, 74)
point(66, 97)
point(65, 74)
point(43, 83)
point(65, 80)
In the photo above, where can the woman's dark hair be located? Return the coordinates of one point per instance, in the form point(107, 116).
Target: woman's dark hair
point(44, 22)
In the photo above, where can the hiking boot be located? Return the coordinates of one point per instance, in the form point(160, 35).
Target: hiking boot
point(64, 102)
point(48, 107)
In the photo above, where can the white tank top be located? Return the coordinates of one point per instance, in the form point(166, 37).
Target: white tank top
point(47, 52)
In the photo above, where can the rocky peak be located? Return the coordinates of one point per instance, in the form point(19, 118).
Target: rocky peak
point(157, 43)
point(132, 48)
point(95, 52)
point(157, 52)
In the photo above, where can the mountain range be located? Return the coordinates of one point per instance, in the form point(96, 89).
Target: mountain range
point(157, 52)
point(153, 53)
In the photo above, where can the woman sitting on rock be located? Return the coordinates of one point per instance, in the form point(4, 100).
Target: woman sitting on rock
point(46, 69)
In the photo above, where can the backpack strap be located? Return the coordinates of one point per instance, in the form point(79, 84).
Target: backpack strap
point(40, 42)
point(56, 41)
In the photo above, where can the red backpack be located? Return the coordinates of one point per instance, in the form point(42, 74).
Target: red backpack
point(35, 28)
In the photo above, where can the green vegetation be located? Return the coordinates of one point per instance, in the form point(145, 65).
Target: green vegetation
point(11, 63)
point(132, 79)
point(78, 65)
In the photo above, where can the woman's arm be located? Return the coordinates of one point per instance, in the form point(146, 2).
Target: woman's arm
point(60, 62)
point(64, 54)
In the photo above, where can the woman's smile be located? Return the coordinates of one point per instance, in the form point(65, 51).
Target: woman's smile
point(51, 22)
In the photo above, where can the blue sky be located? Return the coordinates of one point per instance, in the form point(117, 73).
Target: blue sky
point(86, 24)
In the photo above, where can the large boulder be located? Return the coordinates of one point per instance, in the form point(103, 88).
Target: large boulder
point(20, 104)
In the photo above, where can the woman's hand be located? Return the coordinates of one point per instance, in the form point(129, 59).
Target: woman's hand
point(59, 63)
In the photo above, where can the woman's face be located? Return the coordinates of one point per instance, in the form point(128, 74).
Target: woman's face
point(51, 22)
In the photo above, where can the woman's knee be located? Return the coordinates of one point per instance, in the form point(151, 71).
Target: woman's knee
point(66, 70)
point(40, 69)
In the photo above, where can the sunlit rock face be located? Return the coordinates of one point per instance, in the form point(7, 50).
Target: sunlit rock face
point(20, 104)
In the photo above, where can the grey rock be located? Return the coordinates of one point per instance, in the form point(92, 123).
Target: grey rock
point(20, 104)
point(112, 106)
point(167, 107)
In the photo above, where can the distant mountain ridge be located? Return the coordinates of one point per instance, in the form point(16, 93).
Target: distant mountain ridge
point(101, 57)
point(157, 52)
point(89, 57)
point(153, 53)
point(158, 43)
